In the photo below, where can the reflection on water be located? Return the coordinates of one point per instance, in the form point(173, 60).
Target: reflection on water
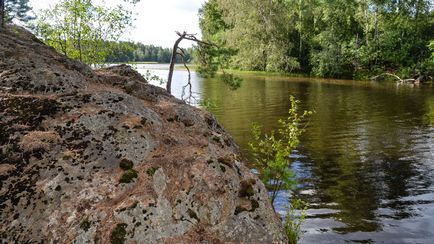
point(366, 161)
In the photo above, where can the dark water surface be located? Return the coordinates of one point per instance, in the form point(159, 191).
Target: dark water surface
point(366, 162)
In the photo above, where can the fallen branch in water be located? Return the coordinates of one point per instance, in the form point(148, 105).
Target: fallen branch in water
point(396, 77)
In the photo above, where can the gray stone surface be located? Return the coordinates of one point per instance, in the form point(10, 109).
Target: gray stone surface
point(64, 131)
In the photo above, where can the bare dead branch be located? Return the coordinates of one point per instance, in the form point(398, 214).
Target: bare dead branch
point(190, 94)
point(394, 76)
point(173, 60)
point(193, 38)
point(183, 35)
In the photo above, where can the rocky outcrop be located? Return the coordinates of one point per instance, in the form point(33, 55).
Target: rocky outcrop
point(100, 156)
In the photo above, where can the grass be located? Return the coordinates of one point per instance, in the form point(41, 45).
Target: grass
point(293, 221)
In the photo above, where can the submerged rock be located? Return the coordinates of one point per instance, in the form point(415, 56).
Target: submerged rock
point(100, 156)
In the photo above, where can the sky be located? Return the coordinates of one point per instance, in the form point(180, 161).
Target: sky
point(156, 20)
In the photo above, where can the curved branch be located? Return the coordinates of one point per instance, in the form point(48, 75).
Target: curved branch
point(173, 60)
point(189, 77)
point(193, 38)
point(183, 35)
point(394, 76)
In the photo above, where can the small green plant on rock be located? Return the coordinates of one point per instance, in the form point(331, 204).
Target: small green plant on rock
point(293, 220)
point(85, 224)
point(272, 156)
point(272, 151)
point(129, 173)
point(151, 171)
point(126, 164)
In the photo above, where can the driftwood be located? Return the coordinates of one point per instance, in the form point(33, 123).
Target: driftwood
point(398, 79)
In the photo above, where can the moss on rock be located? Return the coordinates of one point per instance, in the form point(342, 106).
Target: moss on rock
point(126, 164)
point(128, 176)
point(118, 234)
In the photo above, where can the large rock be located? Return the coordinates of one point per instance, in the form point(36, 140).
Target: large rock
point(104, 157)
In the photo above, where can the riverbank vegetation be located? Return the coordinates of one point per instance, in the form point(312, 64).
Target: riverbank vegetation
point(351, 39)
point(272, 155)
point(272, 152)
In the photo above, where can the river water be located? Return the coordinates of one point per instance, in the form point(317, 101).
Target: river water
point(365, 164)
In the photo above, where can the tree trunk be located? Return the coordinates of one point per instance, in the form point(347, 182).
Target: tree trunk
point(182, 36)
point(2, 14)
point(172, 62)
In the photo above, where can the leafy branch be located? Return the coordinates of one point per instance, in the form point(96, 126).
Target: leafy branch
point(272, 151)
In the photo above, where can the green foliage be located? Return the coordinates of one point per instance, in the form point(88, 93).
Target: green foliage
point(232, 81)
point(293, 220)
point(431, 48)
point(272, 155)
point(151, 171)
point(217, 56)
point(207, 104)
point(212, 59)
point(151, 77)
point(343, 39)
point(272, 151)
point(81, 30)
point(123, 52)
point(430, 60)
point(428, 66)
point(258, 31)
point(211, 22)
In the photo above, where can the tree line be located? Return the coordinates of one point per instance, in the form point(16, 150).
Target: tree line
point(125, 51)
point(327, 38)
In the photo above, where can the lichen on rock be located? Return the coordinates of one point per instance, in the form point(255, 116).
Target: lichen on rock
point(69, 135)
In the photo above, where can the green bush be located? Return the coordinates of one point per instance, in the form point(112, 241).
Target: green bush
point(272, 155)
point(272, 152)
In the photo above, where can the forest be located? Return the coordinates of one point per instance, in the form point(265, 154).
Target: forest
point(126, 51)
point(341, 39)
point(352, 39)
